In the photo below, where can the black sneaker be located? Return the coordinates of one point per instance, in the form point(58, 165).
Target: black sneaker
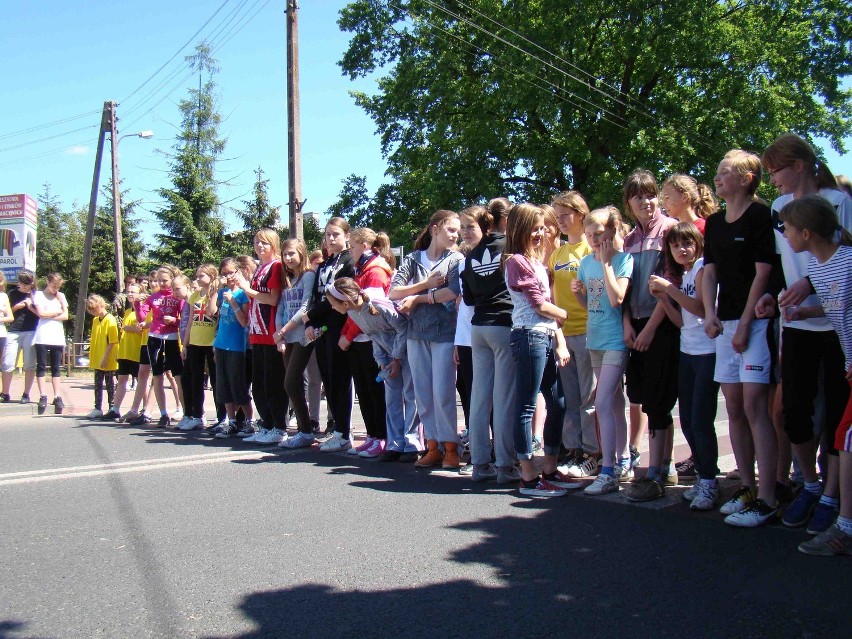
point(25, 399)
point(42, 404)
point(58, 405)
point(164, 421)
point(4, 398)
point(111, 415)
point(315, 427)
point(390, 456)
point(686, 468)
point(408, 458)
point(140, 420)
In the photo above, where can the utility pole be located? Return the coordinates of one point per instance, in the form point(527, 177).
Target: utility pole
point(294, 142)
point(83, 292)
point(116, 204)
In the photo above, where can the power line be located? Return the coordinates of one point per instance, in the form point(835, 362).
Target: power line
point(177, 53)
point(48, 125)
point(47, 139)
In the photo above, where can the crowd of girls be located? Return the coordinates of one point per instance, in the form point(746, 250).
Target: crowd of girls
point(548, 319)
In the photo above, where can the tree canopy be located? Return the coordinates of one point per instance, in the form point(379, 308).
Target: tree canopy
point(527, 97)
point(193, 231)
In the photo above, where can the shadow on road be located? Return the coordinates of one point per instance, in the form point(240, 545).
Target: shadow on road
point(560, 573)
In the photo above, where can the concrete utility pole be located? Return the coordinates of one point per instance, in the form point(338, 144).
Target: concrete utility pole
point(107, 121)
point(294, 142)
point(116, 206)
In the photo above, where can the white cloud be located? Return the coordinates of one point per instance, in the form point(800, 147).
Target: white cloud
point(78, 150)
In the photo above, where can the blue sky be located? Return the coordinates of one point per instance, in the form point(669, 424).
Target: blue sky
point(62, 59)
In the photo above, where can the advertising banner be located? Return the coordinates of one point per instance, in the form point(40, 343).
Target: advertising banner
point(18, 218)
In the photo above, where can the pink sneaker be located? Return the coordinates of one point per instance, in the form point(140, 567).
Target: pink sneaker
point(357, 450)
point(375, 450)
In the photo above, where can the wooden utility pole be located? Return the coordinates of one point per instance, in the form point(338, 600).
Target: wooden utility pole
point(294, 142)
point(83, 292)
point(116, 204)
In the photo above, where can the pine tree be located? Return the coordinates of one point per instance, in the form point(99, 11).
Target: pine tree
point(193, 231)
point(256, 214)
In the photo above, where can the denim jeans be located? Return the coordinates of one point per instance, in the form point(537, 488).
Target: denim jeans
point(697, 397)
point(533, 353)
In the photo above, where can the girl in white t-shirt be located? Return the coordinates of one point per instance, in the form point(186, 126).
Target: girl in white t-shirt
point(697, 391)
point(52, 309)
point(6, 315)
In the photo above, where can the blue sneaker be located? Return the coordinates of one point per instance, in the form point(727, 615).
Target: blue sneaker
point(799, 511)
point(822, 519)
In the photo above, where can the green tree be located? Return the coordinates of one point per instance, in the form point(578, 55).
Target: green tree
point(256, 214)
point(530, 97)
point(102, 276)
point(312, 232)
point(59, 244)
point(352, 201)
point(193, 231)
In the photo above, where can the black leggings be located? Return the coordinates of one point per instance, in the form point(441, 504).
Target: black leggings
point(47, 353)
point(268, 385)
point(296, 358)
point(192, 380)
point(336, 377)
point(371, 394)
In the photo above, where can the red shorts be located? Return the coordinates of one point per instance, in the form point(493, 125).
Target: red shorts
point(843, 440)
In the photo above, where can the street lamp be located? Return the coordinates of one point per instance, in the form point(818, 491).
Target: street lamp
point(116, 204)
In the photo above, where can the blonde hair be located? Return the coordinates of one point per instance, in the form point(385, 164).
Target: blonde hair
point(571, 200)
point(270, 236)
point(95, 301)
point(181, 280)
point(608, 216)
point(747, 165)
point(701, 198)
point(379, 243)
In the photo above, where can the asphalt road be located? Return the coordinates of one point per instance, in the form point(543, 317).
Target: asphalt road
point(122, 532)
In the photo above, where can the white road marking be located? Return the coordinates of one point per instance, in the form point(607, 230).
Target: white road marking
point(52, 474)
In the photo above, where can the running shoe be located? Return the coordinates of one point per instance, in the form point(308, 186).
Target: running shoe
point(757, 513)
point(375, 449)
point(274, 436)
point(799, 512)
point(830, 543)
point(140, 420)
point(111, 415)
point(485, 472)
point(191, 423)
point(739, 501)
point(246, 430)
point(822, 519)
point(706, 495)
point(645, 489)
point(228, 430)
point(254, 437)
point(363, 446)
point(560, 480)
point(508, 475)
point(95, 414)
point(164, 421)
point(623, 474)
point(635, 456)
point(686, 468)
point(336, 443)
point(585, 466)
point(541, 488)
point(603, 484)
point(299, 440)
point(42, 404)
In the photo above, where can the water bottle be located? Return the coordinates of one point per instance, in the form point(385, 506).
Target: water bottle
point(384, 373)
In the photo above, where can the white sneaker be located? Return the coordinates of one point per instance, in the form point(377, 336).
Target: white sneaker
point(191, 423)
point(178, 414)
point(603, 484)
point(622, 474)
point(181, 425)
point(272, 437)
point(257, 437)
point(293, 423)
point(299, 440)
point(336, 444)
point(588, 466)
point(95, 414)
point(706, 495)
